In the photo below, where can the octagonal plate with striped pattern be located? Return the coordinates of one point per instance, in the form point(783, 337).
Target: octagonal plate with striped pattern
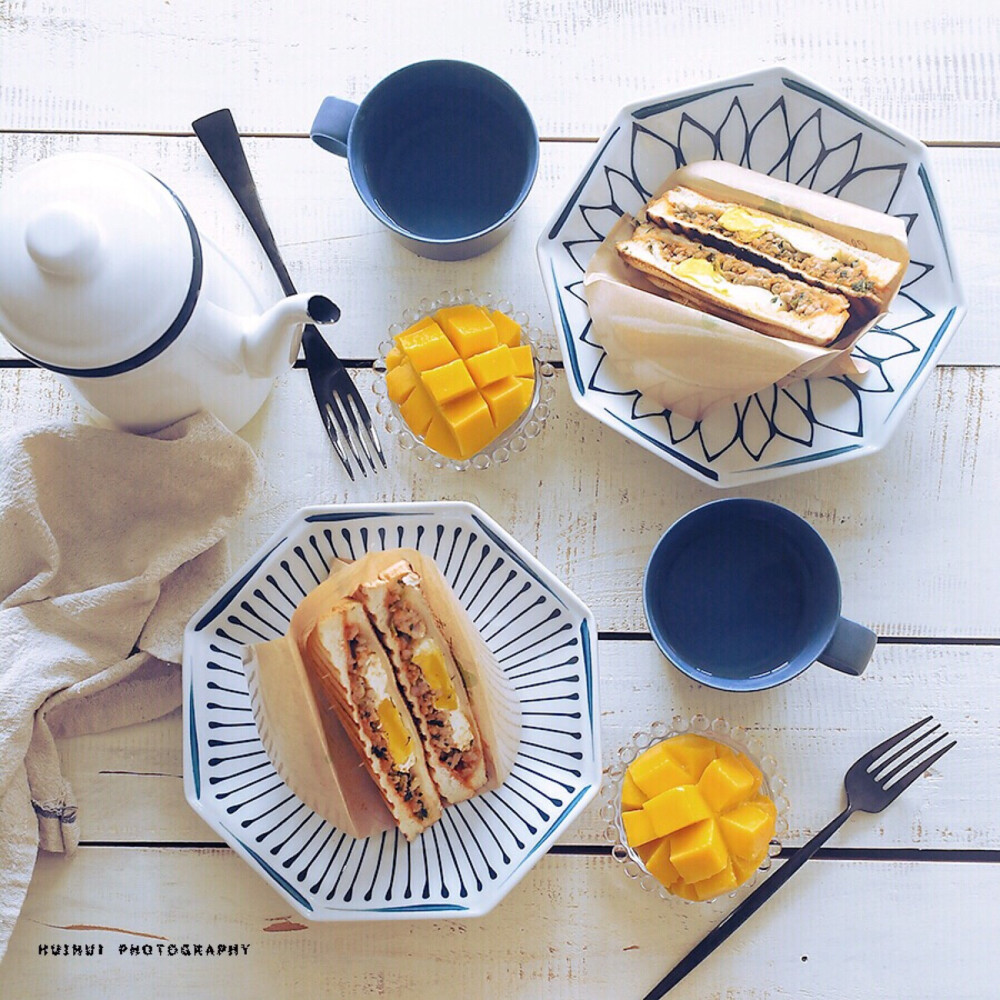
point(544, 639)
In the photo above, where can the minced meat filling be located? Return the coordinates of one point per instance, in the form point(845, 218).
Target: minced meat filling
point(850, 274)
point(367, 701)
point(410, 629)
point(790, 295)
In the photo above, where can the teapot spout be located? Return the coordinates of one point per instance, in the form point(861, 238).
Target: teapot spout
point(272, 344)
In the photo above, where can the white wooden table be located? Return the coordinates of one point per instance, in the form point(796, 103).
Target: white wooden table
point(902, 904)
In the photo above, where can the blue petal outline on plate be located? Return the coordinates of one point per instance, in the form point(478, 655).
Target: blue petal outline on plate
point(925, 360)
point(679, 102)
point(932, 201)
point(680, 456)
point(801, 111)
point(574, 362)
point(818, 95)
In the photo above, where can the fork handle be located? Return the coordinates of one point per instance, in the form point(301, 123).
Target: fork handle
point(221, 139)
point(747, 908)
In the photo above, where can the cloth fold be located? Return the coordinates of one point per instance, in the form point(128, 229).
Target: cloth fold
point(109, 543)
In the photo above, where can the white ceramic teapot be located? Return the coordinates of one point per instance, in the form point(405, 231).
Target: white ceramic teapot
point(105, 279)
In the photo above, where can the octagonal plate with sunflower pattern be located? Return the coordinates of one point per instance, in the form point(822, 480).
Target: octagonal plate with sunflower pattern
point(784, 125)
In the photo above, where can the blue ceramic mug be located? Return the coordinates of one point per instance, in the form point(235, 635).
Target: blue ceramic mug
point(743, 595)
point(442, 152)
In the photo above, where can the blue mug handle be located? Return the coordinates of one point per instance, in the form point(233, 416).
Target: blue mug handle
point(850, 649)
point(332, 123)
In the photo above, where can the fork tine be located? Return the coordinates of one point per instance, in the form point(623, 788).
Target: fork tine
point(338, 412)
point(354, 407)
point(881, 765)
point(918, 770)
point(372, 434)
point(884, 779)
point(331, 433)
point(873, 755)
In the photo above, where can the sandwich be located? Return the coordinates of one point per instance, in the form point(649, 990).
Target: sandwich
point(385, 654)
point(727, 285)
point(801, 251)
point(429, 678)
point(352, 676)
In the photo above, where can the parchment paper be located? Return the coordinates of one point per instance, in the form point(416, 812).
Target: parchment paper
point(687, 361)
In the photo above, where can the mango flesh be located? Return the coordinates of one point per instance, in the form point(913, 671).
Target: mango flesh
point(460, 378)
point(701, 820)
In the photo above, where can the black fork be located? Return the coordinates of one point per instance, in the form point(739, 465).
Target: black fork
point(340, 404)
point(872, 782)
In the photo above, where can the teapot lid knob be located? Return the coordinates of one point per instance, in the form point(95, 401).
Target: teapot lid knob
point(63, 240)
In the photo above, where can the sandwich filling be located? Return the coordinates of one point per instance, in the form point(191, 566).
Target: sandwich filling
point(801, 248)
point(430, 687)
point(727, 277)
point(391, 744)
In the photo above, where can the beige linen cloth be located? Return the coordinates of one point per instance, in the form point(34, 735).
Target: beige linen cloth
point(109, 543)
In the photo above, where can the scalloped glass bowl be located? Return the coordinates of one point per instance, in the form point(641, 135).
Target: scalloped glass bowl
point(715, 729)
point(512, 441)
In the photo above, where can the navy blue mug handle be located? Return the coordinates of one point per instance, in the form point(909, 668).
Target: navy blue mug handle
point(332, 123)
point(850, 649)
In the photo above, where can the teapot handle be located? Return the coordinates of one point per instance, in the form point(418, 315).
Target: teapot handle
point(332, 124)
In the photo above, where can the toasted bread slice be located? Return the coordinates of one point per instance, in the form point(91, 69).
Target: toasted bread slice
point(800, 250)
point(430, 679)
point(351, 674)
point(727, 286)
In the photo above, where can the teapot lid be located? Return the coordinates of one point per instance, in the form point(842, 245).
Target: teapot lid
point(100, 264)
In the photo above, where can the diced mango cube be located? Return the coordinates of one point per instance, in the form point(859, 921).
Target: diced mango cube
point(400, 382)
point(645, 850)
point(693, 753)
point(753, 769)
point(524, 366)
point(725, 782)
point(448, 381)
point(417, 410)
point(440, 438)
point(505, 401)
point(718, 884)
point(470, 421)
point(675, 809)
point(419, 325)
point(685, 891)
point(632, 796)
point(698, 851)
point(393, 358)
point(745, 867)
point(426, 347)
point(638, 827)
point(469, 328)
point(527, 390)
point(658, 863)
point(747, 829)
point(508, 332)
point(491, 366)
point(656, 770)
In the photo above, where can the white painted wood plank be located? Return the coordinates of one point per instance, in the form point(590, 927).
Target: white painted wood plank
point(331, 244)
point(128, 781)
point(574, 928)
point(908, 526)
point(141, 65)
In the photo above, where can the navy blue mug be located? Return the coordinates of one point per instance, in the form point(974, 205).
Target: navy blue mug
point(442, 152)
point(743, 595)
